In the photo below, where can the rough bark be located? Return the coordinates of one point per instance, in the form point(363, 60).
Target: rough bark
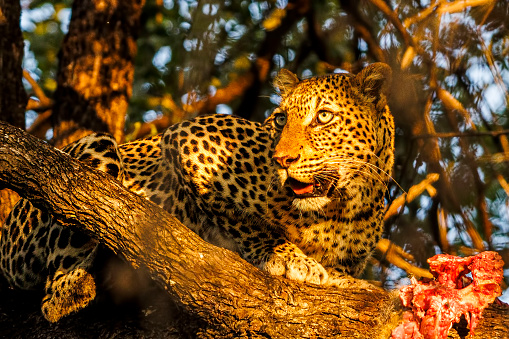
point(228, 296)
point(13, 97)
point(96, 69)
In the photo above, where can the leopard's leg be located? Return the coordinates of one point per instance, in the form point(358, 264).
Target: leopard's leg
point(269, 250)
point(70, 285)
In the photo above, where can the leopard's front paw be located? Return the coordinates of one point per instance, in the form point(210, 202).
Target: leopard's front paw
point(296, 266)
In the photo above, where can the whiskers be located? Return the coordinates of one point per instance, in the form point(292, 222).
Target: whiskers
point(354, 167)
point(341, 175)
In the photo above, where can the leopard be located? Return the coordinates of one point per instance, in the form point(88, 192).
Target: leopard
point(300, 195)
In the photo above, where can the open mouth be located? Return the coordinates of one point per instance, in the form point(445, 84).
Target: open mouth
point(318, 188)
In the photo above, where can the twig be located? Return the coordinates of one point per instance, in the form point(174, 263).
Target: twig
point(442, 230)
point(458, 6)
point(460, 134)
point(413, 192)
point(38, 106)
point(398, 257)
point(39, 93)
point(452, 104)
point(503, 183)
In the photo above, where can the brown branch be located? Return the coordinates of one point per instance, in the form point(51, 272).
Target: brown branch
point(145, 129)
point(460, 134)
point(452, 104)
point(425, 13)
point(413, 192)
point(503, 183)
point(43, 106)
point(472, 232)
point(442, 230)
point(44, 101)
point(36, 106)
point(398, 257)
point(458, 6)
point(233, 90)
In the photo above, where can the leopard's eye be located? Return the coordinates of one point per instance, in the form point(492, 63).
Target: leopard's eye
point(324, 117)
point(280, 120)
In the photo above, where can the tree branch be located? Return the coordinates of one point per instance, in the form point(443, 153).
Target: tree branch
point(461, 134)
point(226, 293)
point(44, 102)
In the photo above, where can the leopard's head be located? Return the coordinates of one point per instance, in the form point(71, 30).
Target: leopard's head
point(332, 131)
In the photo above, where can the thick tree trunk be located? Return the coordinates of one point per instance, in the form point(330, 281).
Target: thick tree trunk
point(13, 98)
point(95, 72)
point(229, 296)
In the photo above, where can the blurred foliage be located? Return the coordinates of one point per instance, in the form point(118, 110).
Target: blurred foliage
point(451, 74)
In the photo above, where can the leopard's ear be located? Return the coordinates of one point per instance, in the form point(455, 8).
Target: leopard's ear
point(285, 81)
point(372, 84)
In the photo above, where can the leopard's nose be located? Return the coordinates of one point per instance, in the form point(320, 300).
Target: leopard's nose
point(287, 160)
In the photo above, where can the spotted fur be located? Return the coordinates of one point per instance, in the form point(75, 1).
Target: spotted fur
point(301, 195)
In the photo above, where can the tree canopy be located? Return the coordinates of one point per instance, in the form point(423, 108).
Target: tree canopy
point(449, 95)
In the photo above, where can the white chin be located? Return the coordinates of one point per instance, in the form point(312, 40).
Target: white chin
point(311, 204)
